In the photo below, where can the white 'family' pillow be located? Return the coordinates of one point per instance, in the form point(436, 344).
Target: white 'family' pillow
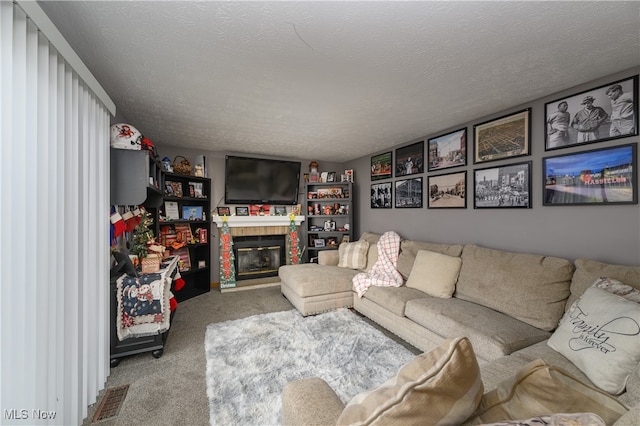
point(600, 334)
point(434, 273)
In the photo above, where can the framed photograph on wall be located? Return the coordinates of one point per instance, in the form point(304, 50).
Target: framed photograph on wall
point(506, 186)
point(409, 193)
point(381, 166)
point(504, 137)
point(448, 191)
point(410, 159)
point(381, 195)
point(448, 150)
point(606, 112)
point(595, 177)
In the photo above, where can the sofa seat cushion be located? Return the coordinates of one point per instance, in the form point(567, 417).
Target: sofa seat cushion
point(492, 333)
point(393, 299)
point(527, 287)
point(311, 279)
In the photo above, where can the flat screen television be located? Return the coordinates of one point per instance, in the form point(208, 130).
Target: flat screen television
point(260, 181)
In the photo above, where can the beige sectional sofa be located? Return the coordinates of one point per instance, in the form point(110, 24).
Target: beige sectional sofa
point(507, 305)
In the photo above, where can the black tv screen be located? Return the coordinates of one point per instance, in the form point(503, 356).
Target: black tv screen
point(261, 181)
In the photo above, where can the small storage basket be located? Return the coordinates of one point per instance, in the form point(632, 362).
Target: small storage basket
point(183, 167)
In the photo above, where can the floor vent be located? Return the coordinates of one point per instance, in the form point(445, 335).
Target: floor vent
point(111, 403)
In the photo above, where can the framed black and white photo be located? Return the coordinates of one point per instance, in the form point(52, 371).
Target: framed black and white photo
point(595, 177)
point(381, 195)
point(280, 211)
point(409, 193)
point(503, 186)
point(329, 225)
point(410, 159)
point(381, 166)
point(606, 112)
point(448, 191)
point(448, 150)
point(504, 137)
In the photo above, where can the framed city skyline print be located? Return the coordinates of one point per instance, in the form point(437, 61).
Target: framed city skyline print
point(506, 186)
point(449, 150)
point(596, 177)
point(504, 137)
point(381, 166)
point(381, 195)
point(607, 112)
point(408, 193)
point(448, 191)
point(410, 159)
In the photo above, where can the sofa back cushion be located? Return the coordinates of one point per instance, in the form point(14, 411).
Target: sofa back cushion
point(587, 271)
point(372, 253)
point(528, 287)
point(410, 248)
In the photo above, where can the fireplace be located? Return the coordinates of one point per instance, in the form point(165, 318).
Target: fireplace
point(258, 256)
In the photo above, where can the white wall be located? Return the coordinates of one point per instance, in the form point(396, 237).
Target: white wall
point(606, 233)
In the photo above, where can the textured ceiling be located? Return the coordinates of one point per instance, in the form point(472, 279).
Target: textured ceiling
point(336, 80)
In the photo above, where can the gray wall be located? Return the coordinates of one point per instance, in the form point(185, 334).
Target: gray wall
point(606, 233)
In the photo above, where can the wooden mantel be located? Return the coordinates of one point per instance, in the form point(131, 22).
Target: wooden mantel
point(257, 221)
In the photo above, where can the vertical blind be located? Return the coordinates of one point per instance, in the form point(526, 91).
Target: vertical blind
point(54, 258)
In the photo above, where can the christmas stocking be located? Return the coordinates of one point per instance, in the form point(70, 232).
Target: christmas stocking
point(129, 220)
point(137, 215)
point(118, 224)
point(178, 282)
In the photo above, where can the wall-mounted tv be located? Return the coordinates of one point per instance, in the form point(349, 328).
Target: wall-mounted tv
point(260, 181)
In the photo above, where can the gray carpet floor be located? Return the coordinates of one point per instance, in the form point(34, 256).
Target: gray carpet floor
point(171, 390)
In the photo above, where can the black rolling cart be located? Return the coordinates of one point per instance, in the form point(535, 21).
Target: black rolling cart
point(135, 344)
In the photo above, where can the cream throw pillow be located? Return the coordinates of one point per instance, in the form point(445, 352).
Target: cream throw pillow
point(439, 387)
point(434, 273)
point(353, 255)
point(541, 389)
point(600, 334)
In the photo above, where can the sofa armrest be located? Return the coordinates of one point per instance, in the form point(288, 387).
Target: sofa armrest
point(310, 402)
point(328, 257)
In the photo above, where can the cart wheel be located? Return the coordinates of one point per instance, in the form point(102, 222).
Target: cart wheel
point(157, 353)
point(114, 362)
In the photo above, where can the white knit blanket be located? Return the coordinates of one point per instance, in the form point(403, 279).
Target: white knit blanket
point(384, 272)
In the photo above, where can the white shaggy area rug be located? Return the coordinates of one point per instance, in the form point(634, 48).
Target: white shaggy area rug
point(250, 360)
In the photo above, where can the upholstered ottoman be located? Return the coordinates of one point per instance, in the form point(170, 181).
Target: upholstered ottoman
point(314, 288)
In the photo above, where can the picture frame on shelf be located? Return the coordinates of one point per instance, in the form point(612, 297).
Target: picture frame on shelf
point(381, 166)
point(329, 225)
point(345, 239)
point(171, 211)
point(504, 137)
point(318, 242)
point(332, 242)
point(242, 211)
point(223, 211)
point(381, 195)
point(603, 176)
point(408, 193)
point(202, 236)
point(174, 187)
point(507, 186)
point(448, 191)
point(329, 193)
point(606, 112)
point(197, 189)
point(280, 211)
point(348, 173)
point(331, 177)
point(410, 159)
point(296, 209)
point(191, 212)
point(448, 150)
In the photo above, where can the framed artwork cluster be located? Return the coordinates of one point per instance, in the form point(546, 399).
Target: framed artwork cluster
point(589, 177)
